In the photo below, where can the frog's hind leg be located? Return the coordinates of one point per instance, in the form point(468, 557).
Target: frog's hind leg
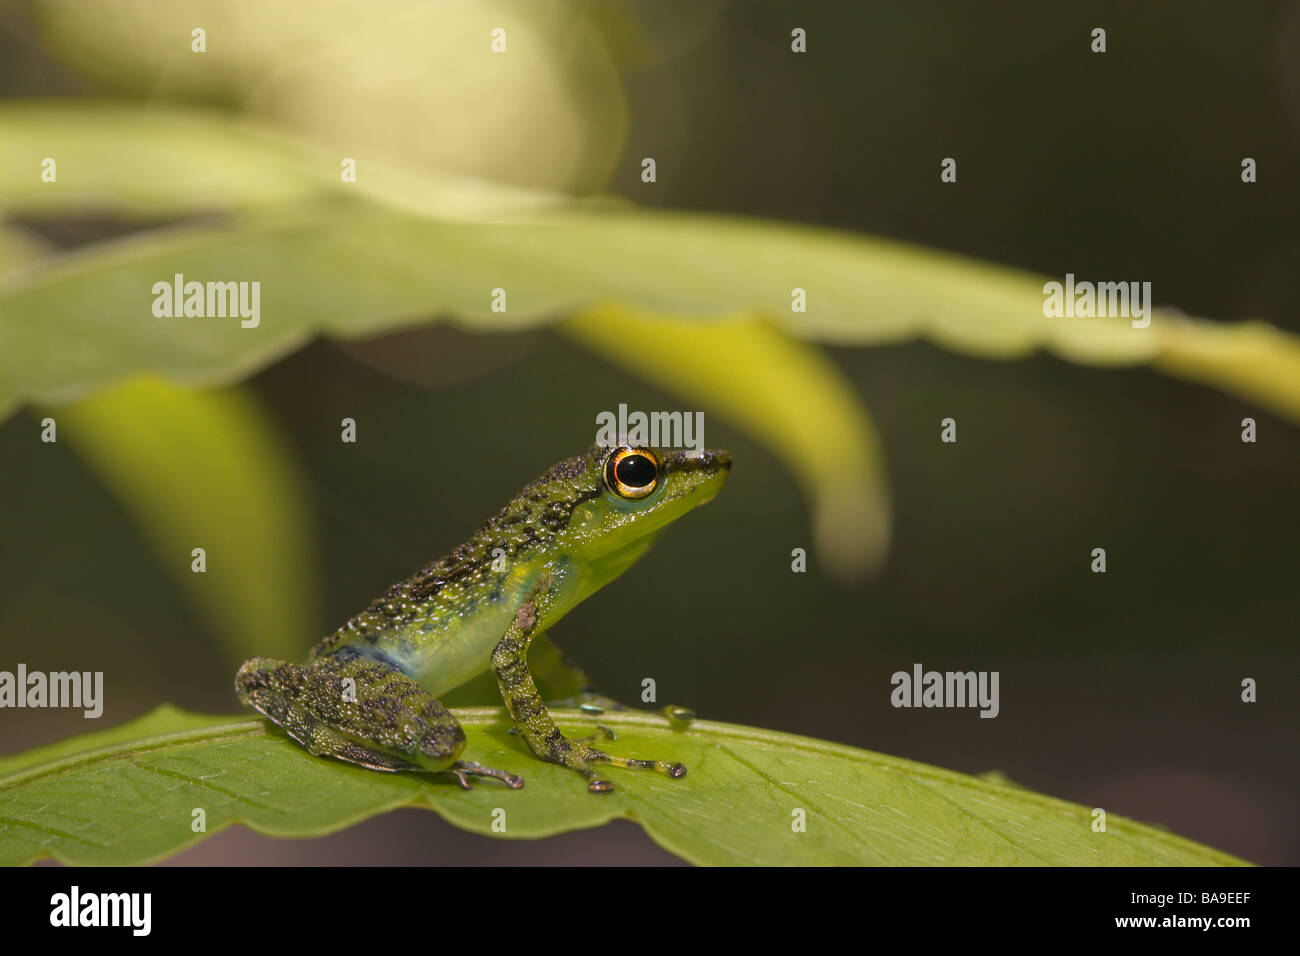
point(362, 711)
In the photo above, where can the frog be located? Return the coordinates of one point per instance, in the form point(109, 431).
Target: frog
point(368, 693)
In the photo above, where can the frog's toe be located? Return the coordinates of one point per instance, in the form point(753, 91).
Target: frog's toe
point(464, 769)
point(674, 770)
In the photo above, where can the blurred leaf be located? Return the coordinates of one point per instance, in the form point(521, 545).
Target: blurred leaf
point(203, 469)
point(861, 290)
point(1252, 360)
point(20, 247)
point(126, 795)
point(401, 80)
point(143, 48)
point(352, 270)
point(786, 393)
point(144, 161)
point(409, 247)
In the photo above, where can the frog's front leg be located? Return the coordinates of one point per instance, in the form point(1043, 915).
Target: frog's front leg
point(528, 710)
point(360, 710)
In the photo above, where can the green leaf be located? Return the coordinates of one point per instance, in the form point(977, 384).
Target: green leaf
point(127, 795)
point(353, 269)
point(179, 461)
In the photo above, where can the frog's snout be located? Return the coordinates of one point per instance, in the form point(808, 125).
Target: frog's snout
point(708, 461)
point(703, 472)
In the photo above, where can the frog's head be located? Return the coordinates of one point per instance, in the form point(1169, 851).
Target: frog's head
point(609, 499)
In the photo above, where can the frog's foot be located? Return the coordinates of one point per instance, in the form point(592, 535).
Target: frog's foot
point(463, 769)
point(583, 758)
point(533, 723)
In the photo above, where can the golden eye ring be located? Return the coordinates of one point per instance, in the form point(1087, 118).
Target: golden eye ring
point(632, 473)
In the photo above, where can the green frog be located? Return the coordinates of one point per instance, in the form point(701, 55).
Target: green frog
point(368, 693)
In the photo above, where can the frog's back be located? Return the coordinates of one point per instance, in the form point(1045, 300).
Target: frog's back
point(453, 584)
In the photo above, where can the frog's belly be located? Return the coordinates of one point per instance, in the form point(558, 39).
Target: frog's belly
point(449, 647)
point(452, 643)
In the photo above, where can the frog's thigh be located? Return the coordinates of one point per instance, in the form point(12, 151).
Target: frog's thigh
point(359, 710)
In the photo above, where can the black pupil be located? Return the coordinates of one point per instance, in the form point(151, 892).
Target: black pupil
point(635, 471)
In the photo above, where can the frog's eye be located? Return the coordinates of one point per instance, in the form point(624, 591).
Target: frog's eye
point(632, 472)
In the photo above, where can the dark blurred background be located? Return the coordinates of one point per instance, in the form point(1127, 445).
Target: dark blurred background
point(1119, 690)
